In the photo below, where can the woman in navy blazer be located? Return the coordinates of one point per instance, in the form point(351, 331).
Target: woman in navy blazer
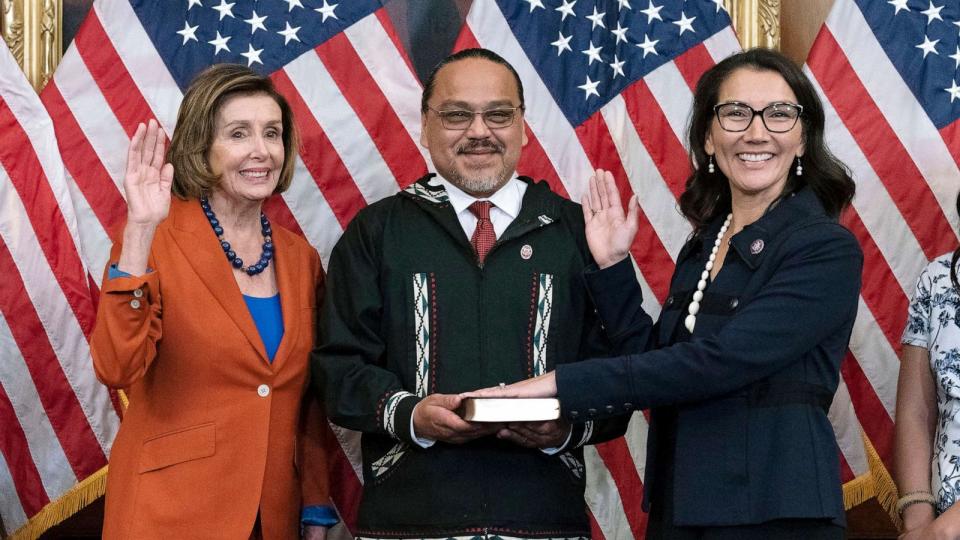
point(742, 365)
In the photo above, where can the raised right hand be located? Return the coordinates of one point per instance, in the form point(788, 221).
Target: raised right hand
point(609, 230)
point(148, 179)
point(147, 184)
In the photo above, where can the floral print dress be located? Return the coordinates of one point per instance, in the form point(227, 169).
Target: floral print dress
point(932, 323)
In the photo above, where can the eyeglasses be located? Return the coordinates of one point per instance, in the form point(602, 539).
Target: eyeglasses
point(456, 119)
point(777, 117)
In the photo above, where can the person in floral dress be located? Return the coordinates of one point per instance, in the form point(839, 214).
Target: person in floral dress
point(927, 441)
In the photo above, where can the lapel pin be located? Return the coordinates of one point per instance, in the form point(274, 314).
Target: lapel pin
point(526, 252)
point(756, 246)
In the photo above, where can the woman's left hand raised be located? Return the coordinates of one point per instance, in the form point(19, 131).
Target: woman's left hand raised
point(609, 230)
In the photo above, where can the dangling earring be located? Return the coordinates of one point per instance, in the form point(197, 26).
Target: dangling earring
point(710, 168)
point(799, 167)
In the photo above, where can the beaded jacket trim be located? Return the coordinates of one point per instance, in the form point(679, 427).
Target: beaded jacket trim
point(435, 193)
point(541, 329)
point(422, 328)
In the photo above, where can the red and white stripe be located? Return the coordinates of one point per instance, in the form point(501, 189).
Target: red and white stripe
point(902, 215)
point(58, 421)
point(849, 434)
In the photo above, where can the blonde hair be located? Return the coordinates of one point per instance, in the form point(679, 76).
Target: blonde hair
point(196, 125)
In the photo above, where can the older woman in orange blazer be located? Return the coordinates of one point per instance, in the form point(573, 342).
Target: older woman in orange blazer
point(212, 348)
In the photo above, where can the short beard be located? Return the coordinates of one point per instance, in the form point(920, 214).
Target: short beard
point(484, 184)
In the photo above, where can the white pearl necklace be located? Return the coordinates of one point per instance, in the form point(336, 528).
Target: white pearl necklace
point(694, 308)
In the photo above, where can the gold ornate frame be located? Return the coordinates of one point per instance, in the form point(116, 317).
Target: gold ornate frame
point(33, 30)
point(757, 22)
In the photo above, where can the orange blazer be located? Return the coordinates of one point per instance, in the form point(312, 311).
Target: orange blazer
point(214, 432)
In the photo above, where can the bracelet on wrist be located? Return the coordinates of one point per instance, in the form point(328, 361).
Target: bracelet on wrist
point(915, 497)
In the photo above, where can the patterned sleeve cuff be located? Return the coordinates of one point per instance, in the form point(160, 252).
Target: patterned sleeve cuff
point(398, 415)
point(324, 516)
point(587, 434)
point(580, 435)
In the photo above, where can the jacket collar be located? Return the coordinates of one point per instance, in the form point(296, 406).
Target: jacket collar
point(196, 240)
point(752, 243)
point(537, 209)
point(429, 189)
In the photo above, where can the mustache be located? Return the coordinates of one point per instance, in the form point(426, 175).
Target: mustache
point(479, 145)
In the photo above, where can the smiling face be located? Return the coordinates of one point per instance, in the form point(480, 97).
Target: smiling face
point(478, 160)
point(756, 162)
point(247, 149)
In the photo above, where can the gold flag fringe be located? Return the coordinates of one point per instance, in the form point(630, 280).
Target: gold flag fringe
point(876, 483)
point(72, 501)
point(858, 491)
point(886, 488)
point(68, 504)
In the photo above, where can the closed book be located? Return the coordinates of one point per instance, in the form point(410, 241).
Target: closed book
point(509, 409)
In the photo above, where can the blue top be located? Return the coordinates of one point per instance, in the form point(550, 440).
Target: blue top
point(269, 320)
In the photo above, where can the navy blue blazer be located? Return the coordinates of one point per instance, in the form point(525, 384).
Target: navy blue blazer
point(753, 384)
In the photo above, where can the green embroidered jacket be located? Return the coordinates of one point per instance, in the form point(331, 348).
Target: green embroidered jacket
point(409, 312)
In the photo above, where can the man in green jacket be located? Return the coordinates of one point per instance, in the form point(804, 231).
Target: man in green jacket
point(465, 279)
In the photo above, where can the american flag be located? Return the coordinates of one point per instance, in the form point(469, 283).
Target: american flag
point(887, 72)
point(56, 422)
point(608, 84)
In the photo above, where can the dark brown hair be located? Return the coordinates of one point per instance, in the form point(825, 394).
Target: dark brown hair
point(196, 126)
point(707, 195)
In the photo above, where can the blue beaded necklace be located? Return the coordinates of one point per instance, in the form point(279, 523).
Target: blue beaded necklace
point(232, 256)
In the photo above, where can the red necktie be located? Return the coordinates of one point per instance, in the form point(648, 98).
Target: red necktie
point(483, 236)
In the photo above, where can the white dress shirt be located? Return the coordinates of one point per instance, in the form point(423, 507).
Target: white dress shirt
point(506, 205)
